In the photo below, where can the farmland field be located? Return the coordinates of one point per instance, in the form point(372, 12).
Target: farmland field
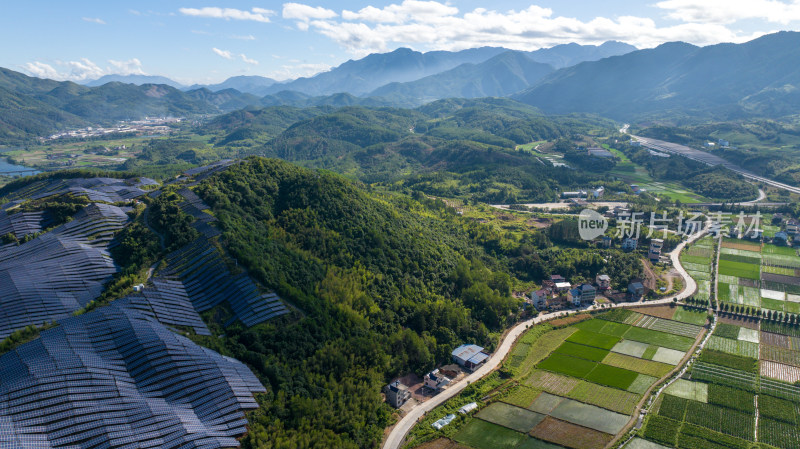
point(648, 367)
point(780, 355)
point(736, 347)
point(506, 415)
point(691, 316)
point(551, 382)
point(606, 397)
point(659, 338)
point(485, 435)
point(522, 396)
point(611, 376)
point(631, 348)
point(570, 435)
point(786, 373)
point(739, 269)
point(595, 339)
point(641, 383)
point(590, 416)
point(564, 364)
point(696, 391)
point(581, 351)
point(778, 434)
point(723, 420)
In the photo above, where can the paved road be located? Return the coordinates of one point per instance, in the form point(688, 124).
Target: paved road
point(398, 433)
point(709, 159)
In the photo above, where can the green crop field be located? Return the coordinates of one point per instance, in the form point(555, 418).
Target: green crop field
point(782, 250)
point(595, 339)
point(590, 416)
point(551, 382)
point(565, 364)
point(696, 391)
point(736, 347)
point(739, 269)
point(516, 418)
point(611, 376)
point(609, 398)
point(648, 367)
point(641, 384)
point(522, 396)
point(691, 316)
point(485, 435)
point(721, 419)
point(659, 338)
point(581, 351)
point(673, 407)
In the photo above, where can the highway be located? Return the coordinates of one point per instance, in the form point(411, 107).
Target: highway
point(401, 429)
point(709, 159)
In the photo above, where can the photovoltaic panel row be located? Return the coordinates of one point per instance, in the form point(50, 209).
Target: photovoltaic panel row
point(117, 378)
point(110, 190)
point(209, 283)
point(167, 301)
point(54, 274)
point(21, 224)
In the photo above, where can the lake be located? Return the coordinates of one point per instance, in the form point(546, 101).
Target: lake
point(10, 169)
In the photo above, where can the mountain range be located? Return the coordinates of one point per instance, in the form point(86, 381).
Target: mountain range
point(756, 78)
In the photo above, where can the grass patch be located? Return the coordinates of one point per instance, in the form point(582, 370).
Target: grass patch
point(638, 365)
point(515, 418)
point(609, 398)
point(726, 330)
point(641, 384)
point(650, 352)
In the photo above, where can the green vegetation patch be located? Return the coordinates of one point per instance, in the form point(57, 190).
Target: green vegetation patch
point(682, 388)
point(590, 416)
point(638, 365)
point(631, 348)
point(564, 364)
point(545, 403)
point(726, 330)
point(612, 376)
point(774, 249)
point(522, 396)
point(581, 351)
point(739, 269)
point(736, 347)
point(740, 258)
point(662, 339)
point(695, 437)
point(485, 435)
point(641, 384)
point(719, 358)
point(668, 356)
point(732, 398)
point(533, 443)
point(620, 315)
point(650, 351)
point(673, 407)
point(778, 434)
point(602, 341)
point(609, 398)
point(779, 409)
point(691, 316)
point(772, 304)
point(551, 382)
point(506, 415)
point(721, 419)
point(662, 430)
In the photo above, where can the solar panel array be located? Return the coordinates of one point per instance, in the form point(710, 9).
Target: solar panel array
point(54, 274)
point(116, 378)
point(167, 301)
point(109, 190)
point(195, 207)
point(21, 224)
point(209, 283)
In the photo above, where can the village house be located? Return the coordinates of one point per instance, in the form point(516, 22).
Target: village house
point(436, 380)
point(629, 244)
point(636, 291)
point(396, 394)
point(603, 281)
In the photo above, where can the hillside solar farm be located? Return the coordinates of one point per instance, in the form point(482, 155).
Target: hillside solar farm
point(124, 374)
point(578, 385)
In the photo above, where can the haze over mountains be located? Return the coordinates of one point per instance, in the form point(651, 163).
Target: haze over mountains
point(760, 77)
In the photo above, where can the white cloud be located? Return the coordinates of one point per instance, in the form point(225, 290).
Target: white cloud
point(129, 67)
point(729, 11)
point(294, 71)
point(94, 20)
point(224, 53)
point(80, 70)
point(255, 14)
point(304, 13)
point(434, 25)
point(248, 60)
point(248, 37)
point(42, 70)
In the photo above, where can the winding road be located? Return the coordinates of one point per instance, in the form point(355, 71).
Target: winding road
point(398, 433)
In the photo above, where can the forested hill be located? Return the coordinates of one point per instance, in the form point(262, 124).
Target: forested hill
point(382, 285)
point(472, 140)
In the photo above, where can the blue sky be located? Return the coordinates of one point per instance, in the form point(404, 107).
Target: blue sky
point(194, 42)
